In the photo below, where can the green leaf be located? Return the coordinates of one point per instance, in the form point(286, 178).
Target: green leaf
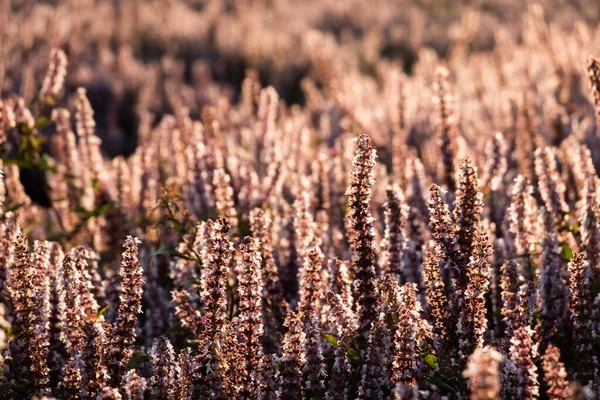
point(331, 339)
point(194, 281)
point(353, 354)
point(19, 163)
point(45, 165)
point(344, 209)
point(102, 209)
point(566, 252)
point(37, 141)
point(569, 226)
point(11, 386)
point(23, 129)
point(82, 210)
point(101, 312)
point(171, 251)
point(43, 122)
point(193, 344)
point(15, 207)
point(431, 360)
point(595, 289)
point(177, 197)
point(135, 360)
point(176, 223)
point(434, 380)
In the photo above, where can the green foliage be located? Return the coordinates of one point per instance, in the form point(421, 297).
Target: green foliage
point(42, 122)
point(331, 339)
point(136, 360)
point(9, 387)
point(440, 383)
point(97, 212)
point(353, 354)
point(101, 312)
point(431, 361)
point(173, 252)
point(566, 252)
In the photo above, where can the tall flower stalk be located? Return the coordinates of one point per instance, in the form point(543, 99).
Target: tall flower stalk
point(123, 334)
point(361, 222)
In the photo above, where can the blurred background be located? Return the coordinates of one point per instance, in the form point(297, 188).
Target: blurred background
point(141, 59)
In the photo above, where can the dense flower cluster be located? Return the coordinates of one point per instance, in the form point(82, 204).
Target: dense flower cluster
point(328, 223)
